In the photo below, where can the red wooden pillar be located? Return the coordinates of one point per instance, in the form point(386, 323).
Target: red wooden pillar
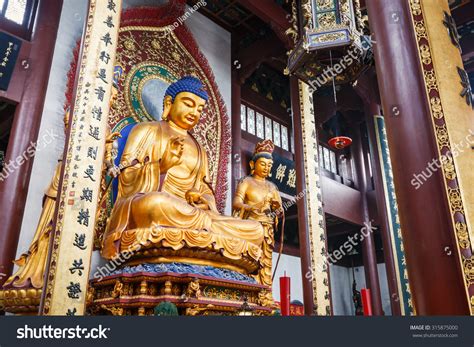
point(368, 245)
point(13, 190)
point(368, 91)
point(433, 266)
point(236, 131)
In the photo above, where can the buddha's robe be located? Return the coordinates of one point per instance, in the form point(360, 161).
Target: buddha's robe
point(148, 199)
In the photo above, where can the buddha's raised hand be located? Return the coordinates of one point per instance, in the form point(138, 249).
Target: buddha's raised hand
point(173, 153)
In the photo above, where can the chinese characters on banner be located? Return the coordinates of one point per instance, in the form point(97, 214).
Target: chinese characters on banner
point(313, 196)
point(283, 174)
point(295, 309)
point(69, 267)
point(9, 50)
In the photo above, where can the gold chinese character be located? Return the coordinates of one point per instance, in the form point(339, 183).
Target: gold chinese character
point(280, 174)
point(291, 178)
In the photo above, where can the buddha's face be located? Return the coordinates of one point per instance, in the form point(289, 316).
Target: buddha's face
point(186, 109)
point(262, 167)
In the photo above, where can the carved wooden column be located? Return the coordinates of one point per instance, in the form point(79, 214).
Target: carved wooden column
point(432, 213)
point(311, 223)
point(26, 124)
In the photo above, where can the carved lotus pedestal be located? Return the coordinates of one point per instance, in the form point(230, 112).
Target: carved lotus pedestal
point(194, 289)
point(21, 301)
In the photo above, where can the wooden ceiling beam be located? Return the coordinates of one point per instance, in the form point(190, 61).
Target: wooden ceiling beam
point(272, 14)
point(251, 57)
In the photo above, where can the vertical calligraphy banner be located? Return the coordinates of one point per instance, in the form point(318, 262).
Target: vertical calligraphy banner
point(405, 298)
point(313, 195)
point(70, 254)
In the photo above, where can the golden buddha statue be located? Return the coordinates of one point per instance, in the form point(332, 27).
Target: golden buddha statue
point(165, 208)
point(258, 199)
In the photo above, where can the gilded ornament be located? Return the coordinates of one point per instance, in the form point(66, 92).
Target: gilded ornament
point(463, 235)
point(448, 167)
point(155, 44)
point(455, 200)
point(420, 30)
point(425, 54)
point(117, 291)
point(143, 287)
point(436, 107)
point(442, 136)
point(431, 83)
point(90, 295)
point(265, 298)
point(116, 311)
point(292, 32)
point(415, 7)
point(196, 309)
point(167, 288)
point(176, 56)
point(193, 290)
point(129, 45)
point(469, 270)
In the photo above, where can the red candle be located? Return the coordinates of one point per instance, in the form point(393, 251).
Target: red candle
point(285, 295)
point(366, 302)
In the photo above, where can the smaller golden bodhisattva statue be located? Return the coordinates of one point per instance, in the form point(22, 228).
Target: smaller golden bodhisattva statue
point(258, 199)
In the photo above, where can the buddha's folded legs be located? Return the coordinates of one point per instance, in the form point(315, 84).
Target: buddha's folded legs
point(249, 230)
point(164, 209)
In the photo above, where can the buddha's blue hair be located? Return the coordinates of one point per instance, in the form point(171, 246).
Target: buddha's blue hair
point(189, 84)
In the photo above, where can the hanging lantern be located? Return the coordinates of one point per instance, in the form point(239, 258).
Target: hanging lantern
point(336, 127)
point(322, 25)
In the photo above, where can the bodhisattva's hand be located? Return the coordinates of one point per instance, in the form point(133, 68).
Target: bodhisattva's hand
point(276, 207)
point(252, 208)
point(173, 153)
point(275, 204)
